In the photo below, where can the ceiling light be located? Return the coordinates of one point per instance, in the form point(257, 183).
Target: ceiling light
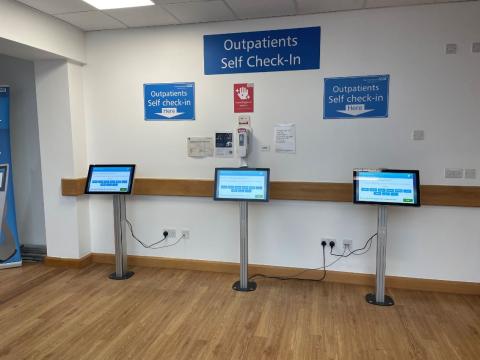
point(118, 4)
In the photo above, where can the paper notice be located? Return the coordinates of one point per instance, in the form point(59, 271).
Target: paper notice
point(285, 138)
point(200, 146)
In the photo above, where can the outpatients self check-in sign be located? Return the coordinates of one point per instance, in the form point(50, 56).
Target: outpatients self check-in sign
point(262, 51)
point(169, 101)
point(356, 97)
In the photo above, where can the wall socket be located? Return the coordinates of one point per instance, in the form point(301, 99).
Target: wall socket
point(418, 135)
point(172, 233)
point(451, 49)
point(476, 47)
point(327, 240)
point(453, 173)
point(471, 174)
point(348, 243)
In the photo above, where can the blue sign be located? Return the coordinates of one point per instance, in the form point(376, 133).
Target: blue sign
point(175, 101)
point(9, 245)
point(262, 51)
point(356, 97)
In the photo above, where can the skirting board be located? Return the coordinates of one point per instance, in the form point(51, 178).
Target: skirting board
point(71, 263)
point(454, 287)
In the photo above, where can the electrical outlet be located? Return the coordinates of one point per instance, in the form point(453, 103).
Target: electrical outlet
point(453, 173)
point(476, 47)
point(172, 233)
point(418, 135)
point(185, 233)
point(470, 174)
point(450, 49)
point(347, 243)
point(330, 241)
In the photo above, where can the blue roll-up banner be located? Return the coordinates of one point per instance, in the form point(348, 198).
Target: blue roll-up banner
point(262, 51)
point(9, 246)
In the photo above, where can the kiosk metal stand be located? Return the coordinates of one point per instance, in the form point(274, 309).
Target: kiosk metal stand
point(119, 220)
point(244, 284)
point(379, 297)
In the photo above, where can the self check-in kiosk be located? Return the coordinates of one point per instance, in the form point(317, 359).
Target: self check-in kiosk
point(243, 185)
point(116, 180)
point(384, 187)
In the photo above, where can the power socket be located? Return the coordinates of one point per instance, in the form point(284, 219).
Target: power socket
point(348, 243)
point(328, 240)
point(172, 233)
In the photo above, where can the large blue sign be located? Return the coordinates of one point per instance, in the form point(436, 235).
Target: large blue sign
point(9, 244)
point(262, 51)
point(174, 101)
point(356, 97)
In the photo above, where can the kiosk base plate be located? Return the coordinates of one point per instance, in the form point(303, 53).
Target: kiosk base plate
point(371, 299)
point(251, 286)
point(127, 275)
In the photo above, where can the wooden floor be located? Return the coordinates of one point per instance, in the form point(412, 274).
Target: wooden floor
point(54, 313)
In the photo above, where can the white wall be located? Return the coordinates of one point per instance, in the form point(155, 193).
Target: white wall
point(61, 130)
point(19, 74)
point(30, 34)
point(79, 146)
point(24, 25)
point(429, 91)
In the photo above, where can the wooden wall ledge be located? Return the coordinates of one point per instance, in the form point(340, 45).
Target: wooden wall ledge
point(439, 195)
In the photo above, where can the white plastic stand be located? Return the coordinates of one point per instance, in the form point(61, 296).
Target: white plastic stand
point(119, 221)
point(379, 297)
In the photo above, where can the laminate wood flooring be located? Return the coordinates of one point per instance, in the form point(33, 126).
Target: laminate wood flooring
point(58, 313)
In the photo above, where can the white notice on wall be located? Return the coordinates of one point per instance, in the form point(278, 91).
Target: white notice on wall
point(200, 146)
point(285, 138)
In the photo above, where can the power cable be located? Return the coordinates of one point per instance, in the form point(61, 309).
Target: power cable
point(151, 246)
point(366, 248)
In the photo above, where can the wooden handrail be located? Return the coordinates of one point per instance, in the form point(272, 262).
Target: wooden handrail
point(438, 195)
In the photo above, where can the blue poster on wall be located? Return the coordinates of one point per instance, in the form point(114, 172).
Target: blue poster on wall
point(356, 97)
point(169, 101)
point(9, 245)
point(262, 51)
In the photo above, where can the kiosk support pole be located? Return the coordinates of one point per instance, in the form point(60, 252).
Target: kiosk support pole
point(379, 298)
point(119, 221)
point(244, 284)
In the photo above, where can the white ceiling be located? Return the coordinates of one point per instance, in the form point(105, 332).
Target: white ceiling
point(168, 12)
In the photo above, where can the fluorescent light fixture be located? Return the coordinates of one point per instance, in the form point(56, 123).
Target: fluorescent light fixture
point(118, 4)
